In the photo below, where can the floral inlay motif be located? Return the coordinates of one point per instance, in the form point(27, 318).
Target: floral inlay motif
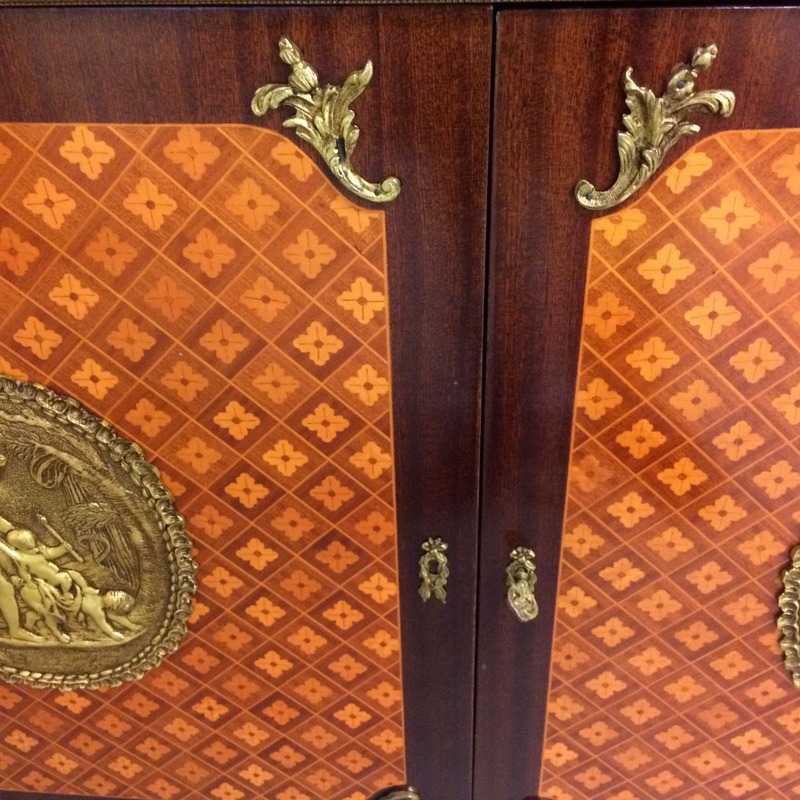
point(588, 474)
point(276, 383)
point(247, 490)
point(48, 203)
point(652, 358)
point(186, 382)
point(130, 340)
point(87, 152)
point(224, 342)
point(713, 315)
point(682, 173)
point(722, 513)
point(326, 423)
point(168, 298)
point(299, 164)
point(788, 166)
point(682, 476)
point(148, 418)
point(309, 253)
point(575, 601)
point(371, 460)
point(237, 420)
point(75, 298)
point(778, 479)
point(318, 344)
point(16, 254)
point(666, 269)
point(149, 204)
point(697, 399)
point(191, 152)
point(285, 458)
point(198, 455)
point(597, 399)
point(332, 493)
point(110, 251)
point(362, 301)
point(788, 404)
point(358, 219)
point(615, 228)
point(738, 440)
point(209, 253)
point(265, 299)
point(376, 527)
point(631, 509)
point(94, 378)
point(606, 315)
point(757, 360)
point(252, 205)
point(367, 385)
point(7, 369)
point(641, 438)
point(582, 540)
point(732, 216)
point(38, 338)
point(777, 268)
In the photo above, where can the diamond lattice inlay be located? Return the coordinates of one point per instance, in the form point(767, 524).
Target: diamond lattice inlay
point(683, 502)
point(208, 292)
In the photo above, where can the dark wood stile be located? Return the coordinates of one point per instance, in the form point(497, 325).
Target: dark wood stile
point(425, 118)
point(558, 105)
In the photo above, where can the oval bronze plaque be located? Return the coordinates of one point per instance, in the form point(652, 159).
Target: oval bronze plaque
point(96, 576)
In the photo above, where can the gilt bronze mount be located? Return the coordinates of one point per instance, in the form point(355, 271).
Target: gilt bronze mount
point(324, 119)
point(434, 570)
point(521, 584)
point(653, 125)
point(96, 575)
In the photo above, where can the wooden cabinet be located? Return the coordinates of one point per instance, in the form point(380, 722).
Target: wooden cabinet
point(488, 257)
point(558, 106)
point(198, 69)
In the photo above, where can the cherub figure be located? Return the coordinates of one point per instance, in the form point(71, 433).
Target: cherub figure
point(34, 558)
point(45, 588)
point(57, 596)
point(113, 605)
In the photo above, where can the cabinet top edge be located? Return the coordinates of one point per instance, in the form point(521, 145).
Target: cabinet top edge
point(497, 4)
point(41, 4)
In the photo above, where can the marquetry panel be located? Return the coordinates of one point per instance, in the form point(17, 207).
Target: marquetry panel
point(683, 504)
point(207, 291)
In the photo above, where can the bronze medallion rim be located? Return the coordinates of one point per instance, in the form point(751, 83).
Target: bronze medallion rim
point(69, 412)
point(789, 619)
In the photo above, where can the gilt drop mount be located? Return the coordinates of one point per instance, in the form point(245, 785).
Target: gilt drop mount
point(96, 575)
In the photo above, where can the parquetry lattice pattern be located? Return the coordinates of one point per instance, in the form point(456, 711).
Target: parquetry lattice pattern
point(684, 490)
point(209, 293)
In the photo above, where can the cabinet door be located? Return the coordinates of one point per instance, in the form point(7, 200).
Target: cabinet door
point(136, 79)
point(640, 677)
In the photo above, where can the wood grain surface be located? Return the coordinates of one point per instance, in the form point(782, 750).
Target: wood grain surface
point(558, 107)
point(189, 65)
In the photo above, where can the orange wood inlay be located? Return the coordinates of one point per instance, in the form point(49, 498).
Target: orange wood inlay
point(683, 498)
point(209, 293)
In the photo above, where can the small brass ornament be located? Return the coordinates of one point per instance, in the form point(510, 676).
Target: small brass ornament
point(433, 570)
point(789, 619)
point(96, 576)
point(654, 125)
point(520, 583)
point(324, 119)
point(396, 793)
